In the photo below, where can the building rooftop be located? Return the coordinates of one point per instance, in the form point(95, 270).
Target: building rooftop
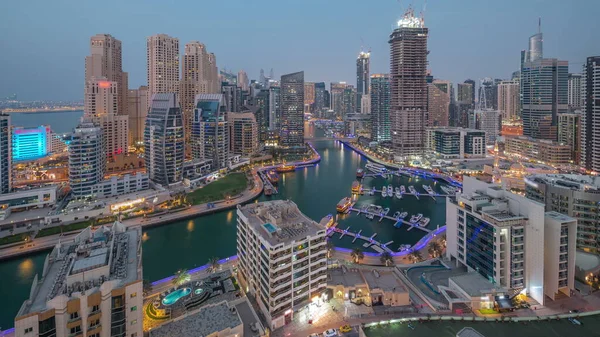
point(113, 254)
point(345, 277)
point(279, 221)
point(578, 182)
point(204, 322)
point(474, 284)
point(384, 280)
point(559, 216)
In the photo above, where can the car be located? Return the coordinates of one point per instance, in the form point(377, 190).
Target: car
point(330, 333)
point(314, 335)
point(345, 328)
point(574, 311)
point(574, 321)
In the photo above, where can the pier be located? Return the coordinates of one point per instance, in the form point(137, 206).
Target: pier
point(369, 241)
point(396, 221)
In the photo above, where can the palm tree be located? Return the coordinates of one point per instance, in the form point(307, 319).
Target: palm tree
point(330, 248)
point(435, 249)
point(415, 256)
point(357, 255)
point(213, 264)
point(386, 259)
point(146, 286)
point(182, 276)
point(443, 240)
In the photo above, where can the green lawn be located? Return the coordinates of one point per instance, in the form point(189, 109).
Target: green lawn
point(229, 185)
point(488, 311)
point(14, 238)
point(63, 228)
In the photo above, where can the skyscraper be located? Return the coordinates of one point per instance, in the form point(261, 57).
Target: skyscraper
point(319, 98)
point(544, 87)
point(5, 154)
point(198, 76)
point(574, 96)
point(380, 107)
point(472, 83)
point(163, 65)
point(362, 77)
point(232, 96)
point(105, 61)
point(164, 140)
point(349, 100)
point(336, 91)
point(590, 121)
point(87, 160)
point(101, 104)
point(508, 100)
point(569, 133)
point(439, 103)
point(274, 108)
point(210, 134)
point(242, 80)
point(291, 131)
point(465, 93)
point(137, 109)
point(408, 71)
point(309, 97)
point(488, 94)
point(536, 47)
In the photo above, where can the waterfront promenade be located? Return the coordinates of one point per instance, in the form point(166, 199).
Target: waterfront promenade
point(190, 212)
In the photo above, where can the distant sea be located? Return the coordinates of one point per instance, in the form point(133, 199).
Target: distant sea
point(59, 121)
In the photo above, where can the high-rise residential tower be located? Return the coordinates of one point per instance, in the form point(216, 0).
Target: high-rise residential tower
point(380, 107)
point(544, 88)
point(101, 104)
point(309, 96)
point(590, 121)
point(210, 133)
point(291, 130)
point(508, 100)
point(87, 160)
point(243, 134)
point(163, 65)
point(105, 61)
point(242, 80)
point(408, 72)
point(574, 96)
point(362, 77)
point(439, 94)
point(164, 140)
point(5, 154)
point(198, 76)
point(336, 91)
point(466, 96)
point(319, 98)
point(569, 133)
point(137, 109)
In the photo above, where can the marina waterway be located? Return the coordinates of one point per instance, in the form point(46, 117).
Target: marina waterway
point(316, 190)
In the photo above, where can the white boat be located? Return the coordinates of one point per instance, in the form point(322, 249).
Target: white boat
point(396, 190)
point(403, 215)
point(449, 189)
point(424, 222)
point(390, 190)
point(403, 248)
point(396, 215)
point(428, 189)
point(375, 168)
point(370, 216)
point(385, 211)
point(398, 194)
point(416, 218)
point(402, 189)
point(384, 192)
point(412, 190)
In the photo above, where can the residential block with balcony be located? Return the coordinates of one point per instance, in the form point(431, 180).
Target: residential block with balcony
point(282, 258)
point(510, 240)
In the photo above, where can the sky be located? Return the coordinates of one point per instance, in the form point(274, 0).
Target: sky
point(43, 43)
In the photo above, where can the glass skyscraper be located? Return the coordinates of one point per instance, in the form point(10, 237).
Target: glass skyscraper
point(380, 107)
point(291, 130)
point(164, 140)
point(209, 129)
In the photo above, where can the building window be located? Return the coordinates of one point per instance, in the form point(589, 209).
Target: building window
point(134, 322)
point(134, 308)
point(95, 308)
point(76, 329)
point(134, 334)
point(75, 315)
point(133, 295)
point(28, 330)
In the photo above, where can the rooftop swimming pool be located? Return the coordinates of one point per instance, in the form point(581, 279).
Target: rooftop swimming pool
point(173, 297)
point(270, 228)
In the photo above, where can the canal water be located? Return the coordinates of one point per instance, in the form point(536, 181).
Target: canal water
point(59, 121)
point(190, 243)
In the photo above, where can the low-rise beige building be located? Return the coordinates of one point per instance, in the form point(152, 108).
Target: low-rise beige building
point(545, 151)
